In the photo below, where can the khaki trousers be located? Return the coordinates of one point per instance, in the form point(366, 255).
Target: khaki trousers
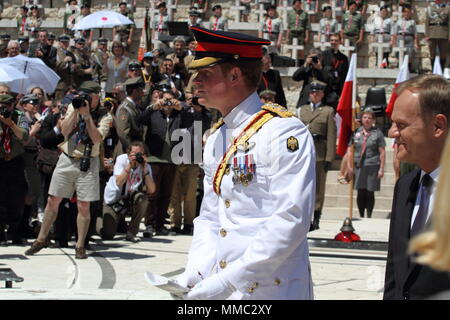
point(321, 177)
point(184, 188)
point(107, 227)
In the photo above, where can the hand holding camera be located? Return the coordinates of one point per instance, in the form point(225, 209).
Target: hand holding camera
point(137, 159)
point(166, 104)
point(81, 102)
point(313, 61)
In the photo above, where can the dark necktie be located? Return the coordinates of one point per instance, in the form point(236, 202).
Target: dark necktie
point(422, 213)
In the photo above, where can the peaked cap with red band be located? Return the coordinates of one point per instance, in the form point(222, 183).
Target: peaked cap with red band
point(219, 46)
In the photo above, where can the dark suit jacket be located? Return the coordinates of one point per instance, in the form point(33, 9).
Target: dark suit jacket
point(406, 279)
point(156, 122)
point(49, 139)
point(273, 83)
point(307, 75)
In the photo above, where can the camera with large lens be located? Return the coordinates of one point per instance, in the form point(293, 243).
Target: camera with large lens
point(139, 158)
point(80, 100)
point(315, 59)
point(85, 162)
point(4, 112)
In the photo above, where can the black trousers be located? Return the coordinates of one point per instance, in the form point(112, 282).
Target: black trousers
point(163, 175)
point(13, 189)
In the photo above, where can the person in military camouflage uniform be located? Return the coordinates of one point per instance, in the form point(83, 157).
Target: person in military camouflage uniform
point(438, 31)
point(217, 20)
point(98, 57)
point(65, 61)
point(298, 27)
point(272, 29)
point(124, 33)
point(353, 26)
point(382, 30)
point(83, 68)
point(13, 186)
point(126, 125)
point(405, 29)
point(319, 119)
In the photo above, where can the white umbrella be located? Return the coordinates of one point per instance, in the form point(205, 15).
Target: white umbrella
point(8, 74)
point(102, 19)
point(36, 72)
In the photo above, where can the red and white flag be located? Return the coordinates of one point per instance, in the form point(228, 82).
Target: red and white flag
point(344, 108)
point(384, 64)
point(402, 76)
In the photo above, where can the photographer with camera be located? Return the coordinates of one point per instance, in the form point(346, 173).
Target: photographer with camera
point(187, 173)
point(77, 170)
point(13, 187)
point(127, 192)
point(311, 70)
point(162, 118)
point(44, 51)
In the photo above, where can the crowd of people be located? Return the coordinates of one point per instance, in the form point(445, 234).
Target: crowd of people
point(164, 75)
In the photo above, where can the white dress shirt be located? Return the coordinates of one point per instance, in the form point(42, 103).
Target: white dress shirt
point(435, 176)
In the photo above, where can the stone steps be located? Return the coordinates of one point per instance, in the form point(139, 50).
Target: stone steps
point(340, 213)
point(386, 190)
point(342, 201)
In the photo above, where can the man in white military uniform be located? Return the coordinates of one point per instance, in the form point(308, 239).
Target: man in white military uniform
point(250, 238)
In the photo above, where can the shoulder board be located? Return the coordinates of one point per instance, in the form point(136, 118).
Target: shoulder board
point(278, 110)
point(217, 125)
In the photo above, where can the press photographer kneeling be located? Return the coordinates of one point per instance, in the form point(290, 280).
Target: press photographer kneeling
point(84, 127)
point(127, 192)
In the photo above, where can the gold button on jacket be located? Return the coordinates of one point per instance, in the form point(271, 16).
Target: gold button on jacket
point(223, 233)
point(222, 264)
point(227, 203)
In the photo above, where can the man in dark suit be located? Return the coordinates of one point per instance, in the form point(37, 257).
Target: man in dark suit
point(335, 62)
point(310, 71)
point(271, 80)
point(420, 127)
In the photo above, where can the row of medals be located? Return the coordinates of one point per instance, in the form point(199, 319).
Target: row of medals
point(243, 169)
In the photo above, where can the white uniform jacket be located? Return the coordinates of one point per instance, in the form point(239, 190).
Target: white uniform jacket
point(255, 235)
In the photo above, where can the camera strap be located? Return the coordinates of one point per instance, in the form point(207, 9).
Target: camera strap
point(81, 131)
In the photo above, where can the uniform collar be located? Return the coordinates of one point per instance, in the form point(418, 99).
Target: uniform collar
point(314, 106)
point(243, 111)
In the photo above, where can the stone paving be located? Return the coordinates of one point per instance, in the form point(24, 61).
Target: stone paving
point(115, 269)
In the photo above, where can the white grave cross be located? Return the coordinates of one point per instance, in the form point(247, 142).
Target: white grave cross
point(401, 51)
point(294, 47)
point(237, 8)
point(379, 45)
point(346, 48)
